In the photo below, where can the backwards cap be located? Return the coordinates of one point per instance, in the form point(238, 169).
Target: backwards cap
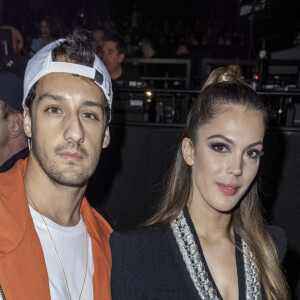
point(42, 64)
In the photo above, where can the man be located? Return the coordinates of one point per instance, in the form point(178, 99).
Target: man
point(149, 51)
point(148, 48)
point(53, 245)
point(13, 142)
point(113, 54)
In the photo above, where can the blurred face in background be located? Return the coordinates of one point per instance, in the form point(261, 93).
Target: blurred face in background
point(112, 58)
point(44, 28)
point(98, 37)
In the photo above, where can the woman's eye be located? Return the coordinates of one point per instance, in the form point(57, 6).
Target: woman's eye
point(254, 154)
point(219, 147)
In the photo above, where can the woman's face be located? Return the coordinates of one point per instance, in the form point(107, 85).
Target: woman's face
point(225, 158)
point(44, 28)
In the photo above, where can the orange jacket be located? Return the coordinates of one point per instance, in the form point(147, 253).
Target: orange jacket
point(23, 273)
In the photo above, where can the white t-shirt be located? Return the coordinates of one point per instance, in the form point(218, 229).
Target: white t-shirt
point(70, 243)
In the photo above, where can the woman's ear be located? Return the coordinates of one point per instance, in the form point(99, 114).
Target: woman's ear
point(27, 122)
point(187, 149)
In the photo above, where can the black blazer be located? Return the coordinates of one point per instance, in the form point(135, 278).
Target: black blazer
point(147, 264)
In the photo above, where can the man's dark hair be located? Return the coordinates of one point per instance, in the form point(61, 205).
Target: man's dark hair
point(77, 48)
point(7, 110)
point(120, 45)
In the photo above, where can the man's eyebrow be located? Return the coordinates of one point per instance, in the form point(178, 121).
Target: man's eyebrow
point(231, 142)
point(93, 104)
point(51, 96)
point(61, 98)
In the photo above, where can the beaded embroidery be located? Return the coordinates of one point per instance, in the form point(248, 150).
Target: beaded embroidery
point(251, 275)
point(196, 268)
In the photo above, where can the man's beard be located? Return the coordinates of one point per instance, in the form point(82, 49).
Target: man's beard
point(50, 165)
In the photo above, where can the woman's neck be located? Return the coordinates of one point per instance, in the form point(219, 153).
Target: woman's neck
point(209, 223)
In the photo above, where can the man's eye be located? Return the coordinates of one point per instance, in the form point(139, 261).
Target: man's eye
point(90, 116)
point(53, 110)
point(219, 147)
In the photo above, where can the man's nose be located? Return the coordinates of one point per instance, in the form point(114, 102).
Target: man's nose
point(74, 129)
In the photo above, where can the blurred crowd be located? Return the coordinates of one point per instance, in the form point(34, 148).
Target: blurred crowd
point(140, 36)
point(169, 38)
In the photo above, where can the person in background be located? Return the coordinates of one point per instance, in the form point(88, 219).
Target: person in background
point(45, 37)
point(113, 55)
point(13, 142)
point(152, 70)
point(208, 239)
point(148, 48)
point(53, 245)
point(17, 39)
point(99, 39)
point(182, 51)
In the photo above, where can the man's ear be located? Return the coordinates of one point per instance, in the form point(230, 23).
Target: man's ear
point(121, 57)
point(187, 149)
point(27, 122)
point(106, 138)
point(15, 125)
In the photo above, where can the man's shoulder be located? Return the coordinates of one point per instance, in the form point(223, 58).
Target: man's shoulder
point(14, 209)
point(96, 224)
point(13, 178)
point(102, 221)
point(12, 160)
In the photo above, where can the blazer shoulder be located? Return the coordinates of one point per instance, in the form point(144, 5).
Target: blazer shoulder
point(280, 239)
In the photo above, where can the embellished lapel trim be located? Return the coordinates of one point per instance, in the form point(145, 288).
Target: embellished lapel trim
point(196, 268)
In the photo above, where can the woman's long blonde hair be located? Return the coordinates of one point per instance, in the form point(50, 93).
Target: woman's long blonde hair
point(222, 90)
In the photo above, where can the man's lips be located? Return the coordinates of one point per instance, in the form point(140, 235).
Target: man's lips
point(71, 156)
point(228, 189)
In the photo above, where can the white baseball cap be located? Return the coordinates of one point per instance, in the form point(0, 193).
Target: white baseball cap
point(42, 64)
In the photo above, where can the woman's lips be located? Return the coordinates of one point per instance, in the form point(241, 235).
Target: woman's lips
point(228, 189)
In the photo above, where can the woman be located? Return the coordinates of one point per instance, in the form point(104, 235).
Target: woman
point(207, 239)
point(45, 37)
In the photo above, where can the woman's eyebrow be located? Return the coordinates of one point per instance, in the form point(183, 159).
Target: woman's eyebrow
point(222, 137)
point(228, 140)
point(255, 144)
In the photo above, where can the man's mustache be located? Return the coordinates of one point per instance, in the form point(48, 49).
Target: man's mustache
point(72, 147)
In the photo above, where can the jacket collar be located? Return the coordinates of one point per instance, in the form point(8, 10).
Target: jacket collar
point(14, 211)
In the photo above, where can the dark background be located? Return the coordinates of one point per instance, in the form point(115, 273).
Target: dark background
point(278, 22)
point(128, 183)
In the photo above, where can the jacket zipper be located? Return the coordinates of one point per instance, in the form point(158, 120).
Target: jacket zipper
point(2, 297)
